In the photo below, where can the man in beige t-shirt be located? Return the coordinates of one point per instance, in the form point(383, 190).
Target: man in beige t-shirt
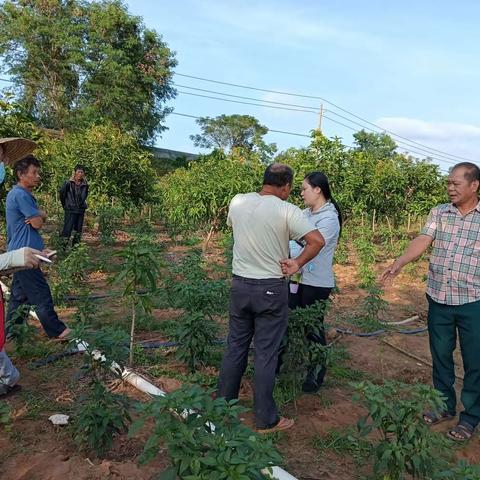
point(263, 223)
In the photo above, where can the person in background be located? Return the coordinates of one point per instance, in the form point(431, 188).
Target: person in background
point(262, 224)
point(73, 196)
point(24, 221)
point(453, 294)
point(316, 280)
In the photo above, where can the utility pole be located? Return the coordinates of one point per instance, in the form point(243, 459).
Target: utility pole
point(320, 115)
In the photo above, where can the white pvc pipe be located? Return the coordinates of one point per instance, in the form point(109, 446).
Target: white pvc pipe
point(402, 322)
point(145, 386)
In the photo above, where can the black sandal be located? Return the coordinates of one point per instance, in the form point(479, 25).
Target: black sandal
point(10, 391)
point(462, 432)
point(433, 418)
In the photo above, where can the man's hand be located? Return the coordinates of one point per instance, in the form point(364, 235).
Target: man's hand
point(48, 252)
point(289, 266)
point(30, 260)
point(416, 247)
point(391, 272)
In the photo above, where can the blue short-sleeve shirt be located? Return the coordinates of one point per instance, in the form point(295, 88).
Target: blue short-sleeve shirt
point(20, 206)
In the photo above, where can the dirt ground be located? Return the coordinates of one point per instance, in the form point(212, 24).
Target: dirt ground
point(36, 450)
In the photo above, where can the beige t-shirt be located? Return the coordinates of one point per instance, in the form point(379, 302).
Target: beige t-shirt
point(262, 226)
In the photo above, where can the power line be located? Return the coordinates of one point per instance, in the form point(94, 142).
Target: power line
point(316, 97)
point(245, 103)
point(315, 109)
point(303, 109)
point(412, 147)
point(399, 147)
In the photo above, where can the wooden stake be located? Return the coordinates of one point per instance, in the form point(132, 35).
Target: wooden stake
point(207, 240)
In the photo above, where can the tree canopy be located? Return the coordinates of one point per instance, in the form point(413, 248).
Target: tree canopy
point(77, 63)
point(230, 132)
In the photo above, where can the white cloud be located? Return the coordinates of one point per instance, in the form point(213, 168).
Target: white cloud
point(452, 139)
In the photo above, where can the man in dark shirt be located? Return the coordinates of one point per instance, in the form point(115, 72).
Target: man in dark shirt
point(73, 196)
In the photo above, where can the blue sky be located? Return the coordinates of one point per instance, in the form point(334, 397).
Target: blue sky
point(411, 67)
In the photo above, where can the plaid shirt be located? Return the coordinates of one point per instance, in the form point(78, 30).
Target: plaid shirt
point(454, 270)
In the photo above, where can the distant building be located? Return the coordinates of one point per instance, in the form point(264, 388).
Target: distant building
point(167, 160)
point(165, 153)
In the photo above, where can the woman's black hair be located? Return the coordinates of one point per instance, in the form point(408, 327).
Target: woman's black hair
point(320, 180)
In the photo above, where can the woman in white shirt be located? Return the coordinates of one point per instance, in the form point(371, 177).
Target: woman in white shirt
point(317, 279)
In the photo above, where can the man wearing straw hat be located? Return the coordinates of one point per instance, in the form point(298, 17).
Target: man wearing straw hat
point(14, 260)
point(24, 220)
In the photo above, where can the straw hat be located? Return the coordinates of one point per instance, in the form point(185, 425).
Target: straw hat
point(17, 148)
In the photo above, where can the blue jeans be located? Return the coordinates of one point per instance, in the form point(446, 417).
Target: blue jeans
point(8, 373)
point(29, 287)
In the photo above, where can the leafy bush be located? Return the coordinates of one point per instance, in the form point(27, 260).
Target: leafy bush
point(199, 195)
point(6, 416)
point(69, 275)
point(190, 287)
point(204, 437)
point(195, 335)
point(300, 352)
point(407, 445)
point(461, 471)
point(140, 269)
point(27, 344)
point(100, 415)
point(109, 218)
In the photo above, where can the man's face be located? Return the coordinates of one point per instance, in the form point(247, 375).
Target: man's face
point(31, 178)
point(79, 175)
point(460, 190)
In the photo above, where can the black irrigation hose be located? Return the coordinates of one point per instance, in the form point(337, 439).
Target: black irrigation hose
point(70, 298)
point(153, 345)
point(413, 331)
point(53, 358)
point(73, 351)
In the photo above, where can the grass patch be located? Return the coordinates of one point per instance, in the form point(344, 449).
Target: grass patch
point(343, 442)
point(197, 378)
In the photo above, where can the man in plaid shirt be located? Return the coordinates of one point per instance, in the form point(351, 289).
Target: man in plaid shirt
point(453, 294)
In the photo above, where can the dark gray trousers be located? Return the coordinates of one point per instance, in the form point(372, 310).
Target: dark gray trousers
point(257, 308)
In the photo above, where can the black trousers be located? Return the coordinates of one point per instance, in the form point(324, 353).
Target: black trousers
point(30, 287)
point(257, 308)
point(306, 296)
point(73, 222)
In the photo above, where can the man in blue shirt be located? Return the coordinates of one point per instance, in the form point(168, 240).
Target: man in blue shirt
point(24, 220)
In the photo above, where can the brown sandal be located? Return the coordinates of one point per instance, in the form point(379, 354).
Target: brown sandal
point(433, 418)
point(462, 432)
point(283, 424)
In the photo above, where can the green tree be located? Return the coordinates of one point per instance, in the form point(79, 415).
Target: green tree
point(198, 196)
point(379, 145)
point(230, 132)
point(76, 62)
point(118, 169)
